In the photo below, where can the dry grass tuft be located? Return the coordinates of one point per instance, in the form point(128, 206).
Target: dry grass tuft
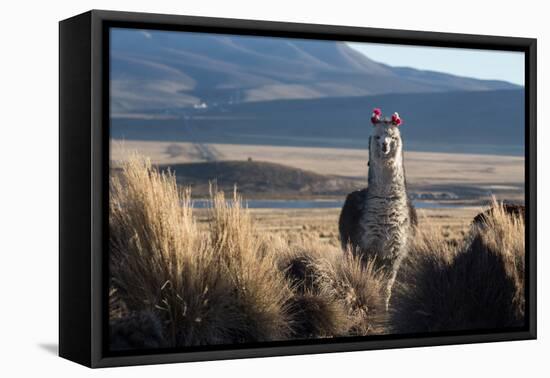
point(335, 295)
point(359, 287)
point(206, 288)
point(259, 287)
point(478, 284)
point(161, 263)
point(318, 315)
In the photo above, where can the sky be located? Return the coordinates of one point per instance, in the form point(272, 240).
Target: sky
point(479, 64)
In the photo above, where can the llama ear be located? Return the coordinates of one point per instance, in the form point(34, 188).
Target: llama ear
point(396, 120)
point(375, 117)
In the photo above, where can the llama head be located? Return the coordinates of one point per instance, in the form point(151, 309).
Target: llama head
point(385, 142)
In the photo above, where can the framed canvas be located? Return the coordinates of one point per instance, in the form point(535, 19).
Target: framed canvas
point(235, 188)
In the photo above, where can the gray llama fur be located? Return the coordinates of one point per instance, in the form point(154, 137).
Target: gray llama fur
point(377, 222)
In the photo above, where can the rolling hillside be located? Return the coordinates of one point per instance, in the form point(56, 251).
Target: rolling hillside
point(156, 73)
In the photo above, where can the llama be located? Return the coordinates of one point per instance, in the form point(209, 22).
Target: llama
point(377, 222)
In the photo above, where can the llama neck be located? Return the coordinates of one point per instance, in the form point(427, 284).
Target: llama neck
point(387, 180)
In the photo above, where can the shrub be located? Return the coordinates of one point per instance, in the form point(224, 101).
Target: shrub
point(478, 284)
point(315, 312)
point(205, 287)
point(260, 290)
point(360, 287)
point(159, 261)
point(335, 295)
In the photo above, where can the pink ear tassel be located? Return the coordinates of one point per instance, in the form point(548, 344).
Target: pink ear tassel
point(395, 119)
point(375, 117)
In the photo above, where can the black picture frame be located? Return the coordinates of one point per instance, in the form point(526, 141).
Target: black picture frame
point(83, 180)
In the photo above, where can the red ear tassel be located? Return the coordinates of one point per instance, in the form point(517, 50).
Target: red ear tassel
point(395, 119)
point(375, 117)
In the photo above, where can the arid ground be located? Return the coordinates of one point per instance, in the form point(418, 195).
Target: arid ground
point(459, 183)
point(460, 178)
point(294, 225)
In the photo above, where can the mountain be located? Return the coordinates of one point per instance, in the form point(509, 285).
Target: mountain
point(156, 74)
point(469, 122)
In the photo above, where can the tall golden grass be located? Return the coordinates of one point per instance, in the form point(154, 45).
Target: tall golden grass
point(223, 285)
point(477, 284)
point(160, 263)
point(336, 294)
point(174, 283)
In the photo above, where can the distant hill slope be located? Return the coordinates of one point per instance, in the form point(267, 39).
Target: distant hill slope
point(470, 122)
point(160, 72)
point(257, 179)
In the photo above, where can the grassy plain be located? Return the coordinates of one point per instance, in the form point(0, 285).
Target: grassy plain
point(297, 225)
point(225, 275)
